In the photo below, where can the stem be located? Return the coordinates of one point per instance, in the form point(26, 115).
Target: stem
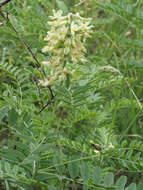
point(37, 64)
point(4, 2)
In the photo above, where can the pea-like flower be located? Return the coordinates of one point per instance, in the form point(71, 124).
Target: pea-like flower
point(65, 45)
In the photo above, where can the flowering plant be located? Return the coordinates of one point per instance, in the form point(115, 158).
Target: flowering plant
point(65, 44)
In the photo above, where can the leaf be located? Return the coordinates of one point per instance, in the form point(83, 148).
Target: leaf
point(132, 186)
point(14, 153)
point(20, 145)
point(42, 148)
point(52, 187)
point(57, 160)
point(85, 186)
point(73, 169)
point(15, 170)
point(30, 159)
point(62, 91)
point(85, 171)
point(25, 137)
point(7, 167)
point(121, 182)
point(12, 117)
point(140, 186)
point(67, 82)
point(3, 112)
point(109, 179)
point(42, 177)
point(97, 175)
point(61, 5)
point(8, 157)
point(0, 166)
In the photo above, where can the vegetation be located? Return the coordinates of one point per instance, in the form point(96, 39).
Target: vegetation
point(79, 126)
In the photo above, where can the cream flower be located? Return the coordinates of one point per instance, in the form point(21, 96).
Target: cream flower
point(46, 63)
point(65, 42)
point(57, 15)
point(74, 28)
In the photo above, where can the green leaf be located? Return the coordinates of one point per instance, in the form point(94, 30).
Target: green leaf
point(30, 159)
point(42, 148)
point(15, 170)
point(25, 137)
point(121, 182)
point(109, 179)
point(73, 169)
point(140, 186)
point(20, 145)
point(97, 175)
point(9, 157)
point(85, 186)
point(52, 187)
point(57, 160)
point(67, 82)
point(62, 91)
point(0, 166)
point(12, 117)
point(85, 171)
point(132, 186)
point(7, 167)
point(42, 177)
point(3, 112)
point(14, 153)
point(61, 5)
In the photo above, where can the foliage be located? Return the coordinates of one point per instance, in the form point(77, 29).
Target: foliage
point(84, 133)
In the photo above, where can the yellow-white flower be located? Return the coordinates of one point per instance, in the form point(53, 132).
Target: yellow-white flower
point(74, 28)
point(56, 15)
point(65, 43)
point(44, 82)
point(46, 63)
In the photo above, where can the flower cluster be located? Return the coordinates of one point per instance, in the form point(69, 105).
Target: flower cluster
point(65, 45)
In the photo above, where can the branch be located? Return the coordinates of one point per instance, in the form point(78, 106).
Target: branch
point(37, 64)
point(4, 2)
point(46, 105)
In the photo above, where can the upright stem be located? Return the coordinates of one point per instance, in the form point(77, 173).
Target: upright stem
point(4, 2)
